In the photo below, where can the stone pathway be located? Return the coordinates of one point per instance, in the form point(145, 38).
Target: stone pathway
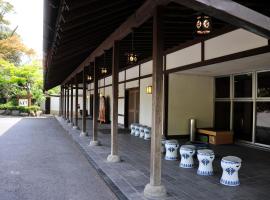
point(39, 161)
point(130, 176)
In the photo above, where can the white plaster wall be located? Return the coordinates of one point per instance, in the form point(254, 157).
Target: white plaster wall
point(183, 57)
point(132, 72)
point(233, 42)
point(189, 97)
point(101, 82)
point(91, 85)
point(147, 68)
point(121, 106)
point(121, 90)
point(55, 104)
point(121, 76)
point(145, 103)
point(132, 84)
point(120, 120)
point(108, 80)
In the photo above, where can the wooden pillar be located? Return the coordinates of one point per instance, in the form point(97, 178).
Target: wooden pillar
point(114, 157)
point(71, 104)
point(76, 102)
point(84, 133)
point(61, 102)
point(68, 117)
point(94, 141)
point(155, 189)
point(65, 102)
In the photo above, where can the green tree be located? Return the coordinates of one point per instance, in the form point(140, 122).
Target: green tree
point(16, 81)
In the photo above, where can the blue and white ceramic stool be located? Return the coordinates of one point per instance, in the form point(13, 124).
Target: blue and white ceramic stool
point(147, 133)
point(137, 130)
point(187, 152)
point(205, 157)
point(230, 166)
point(171, 149)
point(132, 129)
point(142, 131)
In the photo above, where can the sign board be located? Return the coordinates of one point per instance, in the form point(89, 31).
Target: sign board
point(23, 102)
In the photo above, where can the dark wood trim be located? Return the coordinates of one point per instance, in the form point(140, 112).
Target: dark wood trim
point(202, 51)
point(166, 105)
point(122, 115)
point(84, 101)
point(121, 97)
point(243, 54)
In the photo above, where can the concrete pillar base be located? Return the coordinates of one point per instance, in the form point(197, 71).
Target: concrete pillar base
point(70, 124)
point(113, 158)
point(155, 192)
point(67, 120)
point(94, 143)
point(75, 127)
point(83, 134)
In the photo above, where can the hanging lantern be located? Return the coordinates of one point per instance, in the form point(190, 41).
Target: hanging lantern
point(89, 78)
point(132, 56)
point(104, 70)
point(203, 25)
point(149, 89)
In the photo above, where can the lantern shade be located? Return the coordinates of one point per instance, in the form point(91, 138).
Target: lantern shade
point(89, 78)
point(203, 25)
point(104, 70)
point(149, 89)
point(132, 58)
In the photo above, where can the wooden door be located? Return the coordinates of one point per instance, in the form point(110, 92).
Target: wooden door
point(133, 105)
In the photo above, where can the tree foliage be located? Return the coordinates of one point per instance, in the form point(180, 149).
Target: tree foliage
point(17, 81)
point(11, 45)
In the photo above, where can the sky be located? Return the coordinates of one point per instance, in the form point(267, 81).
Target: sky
point(28, 16)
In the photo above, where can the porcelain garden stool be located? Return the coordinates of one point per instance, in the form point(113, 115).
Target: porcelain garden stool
point(187, 152)
point(142, 131)
point(230, 166)
point(137, 130)
point(171, 149)
point(132, 129)
point(147, 133)
point(205, 157)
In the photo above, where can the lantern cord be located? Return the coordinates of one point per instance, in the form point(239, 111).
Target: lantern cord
point(132, 38)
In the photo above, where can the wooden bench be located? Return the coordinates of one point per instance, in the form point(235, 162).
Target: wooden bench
point(217, 137)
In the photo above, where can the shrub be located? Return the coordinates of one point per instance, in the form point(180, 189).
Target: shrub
point(10, 106)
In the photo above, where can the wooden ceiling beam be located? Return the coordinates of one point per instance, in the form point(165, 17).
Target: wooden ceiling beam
point(144, 13)
point(119, 13)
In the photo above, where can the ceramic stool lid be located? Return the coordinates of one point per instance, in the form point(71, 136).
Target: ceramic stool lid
point(171, 142)
point(232, 159)
point(206, 152)
point(188, 147)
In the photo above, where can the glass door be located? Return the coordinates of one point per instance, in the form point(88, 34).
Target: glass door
point(242, 120)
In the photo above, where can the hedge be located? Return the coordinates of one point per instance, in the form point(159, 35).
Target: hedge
point(22, 109)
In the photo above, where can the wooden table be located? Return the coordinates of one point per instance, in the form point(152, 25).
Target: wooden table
point(217, 136)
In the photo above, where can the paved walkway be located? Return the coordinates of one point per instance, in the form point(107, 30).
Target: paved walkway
point(131, 175)
point(39, 161)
